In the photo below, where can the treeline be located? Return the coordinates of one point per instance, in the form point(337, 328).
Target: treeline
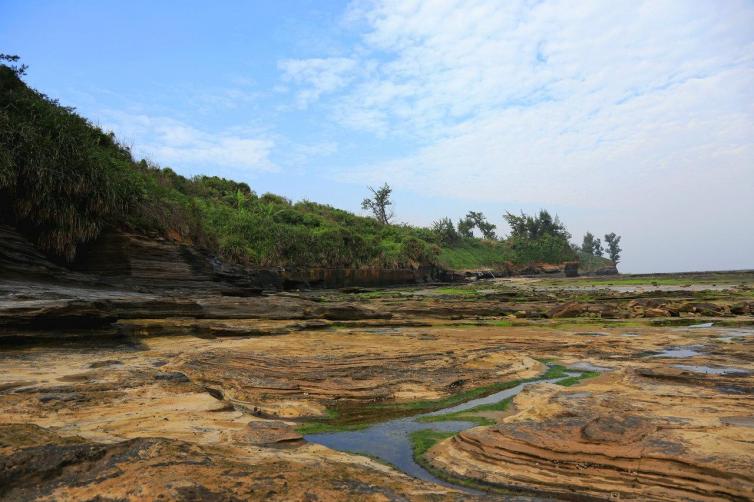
point(533, 238)
point(592, 245)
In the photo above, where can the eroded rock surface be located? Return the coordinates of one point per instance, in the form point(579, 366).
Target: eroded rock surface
point(183, 396)
point(624, 435)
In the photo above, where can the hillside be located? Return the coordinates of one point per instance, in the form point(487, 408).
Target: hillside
point(63, 181)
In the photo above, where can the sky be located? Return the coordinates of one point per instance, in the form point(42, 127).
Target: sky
point(634, 117)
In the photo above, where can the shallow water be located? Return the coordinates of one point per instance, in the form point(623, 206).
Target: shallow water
point(585, 366)
point(732, 334)
point(710, 370)
point(390, 441)
point(702, 325)
point(679, 352)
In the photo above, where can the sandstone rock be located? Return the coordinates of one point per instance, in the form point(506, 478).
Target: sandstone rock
point(266, 432)
point(616, 445)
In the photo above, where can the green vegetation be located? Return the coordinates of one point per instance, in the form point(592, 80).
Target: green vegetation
point(412, 407)
point(324, 427)
point(613, 247)
point(568, 382)
point(422, 441)
point(589, 263)
point(472, 414)
point(379, 204)
point(591, 245)
point(455, 291)
point(470, 254)
point(63, 181)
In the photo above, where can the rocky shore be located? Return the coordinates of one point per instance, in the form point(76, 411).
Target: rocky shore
point(187, 392)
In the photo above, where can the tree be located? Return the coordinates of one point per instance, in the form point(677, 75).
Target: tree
point(613, 247)
point(379, 203)
point(480, 222)
point(597, 249)
point(8, 59)
point(535, 227)
point(587, 245)
point(591, 245)
point(445, 231)
point(466, 227)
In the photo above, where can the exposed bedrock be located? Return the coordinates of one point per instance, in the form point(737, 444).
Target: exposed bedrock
point(37, 464)
point(620, 436)
point(157, 262)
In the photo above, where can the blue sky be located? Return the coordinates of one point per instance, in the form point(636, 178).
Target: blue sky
point(634, 117)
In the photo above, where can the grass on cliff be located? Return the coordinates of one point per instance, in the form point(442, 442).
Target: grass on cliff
point(472, 254)
point(475, 254)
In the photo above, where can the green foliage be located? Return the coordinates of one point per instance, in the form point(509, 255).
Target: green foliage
point(535, 227)
point(466, 228)
point(422, 441)
point(479, 221)
point(571, 381)
point(587, 243)
point(592, 245)
point(445, 232)
point(549, 248)
point(61, 179)
point(613, 247)
point(589, 263)
point(379, 203)
point(471, 254)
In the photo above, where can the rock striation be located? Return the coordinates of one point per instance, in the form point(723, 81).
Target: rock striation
point(641, 440)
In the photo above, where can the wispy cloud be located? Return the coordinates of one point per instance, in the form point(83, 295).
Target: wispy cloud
point(642, 108)
point(317, 76)
point(176, 143)
point(550, 101)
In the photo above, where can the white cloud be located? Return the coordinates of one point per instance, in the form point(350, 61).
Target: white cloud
point(317, 76)
point(640, 109)
point(174, 143)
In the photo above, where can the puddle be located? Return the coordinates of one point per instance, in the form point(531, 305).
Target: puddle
point(709, 370)
point(630, 334)
point(390, 441)
point(679, 352)
point(382, 331)
point(585, 366)
point(740, 421)
point(732, 334)
point(702, 325)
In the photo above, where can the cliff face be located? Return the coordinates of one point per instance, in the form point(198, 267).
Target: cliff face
point(136, 261)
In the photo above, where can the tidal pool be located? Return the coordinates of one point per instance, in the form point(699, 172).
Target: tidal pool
point(711, 370)
point(390, 441)
point(679, 352)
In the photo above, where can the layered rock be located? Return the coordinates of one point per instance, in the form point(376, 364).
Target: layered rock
point(621, 436)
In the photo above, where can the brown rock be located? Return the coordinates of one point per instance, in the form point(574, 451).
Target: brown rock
point(267, 432)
